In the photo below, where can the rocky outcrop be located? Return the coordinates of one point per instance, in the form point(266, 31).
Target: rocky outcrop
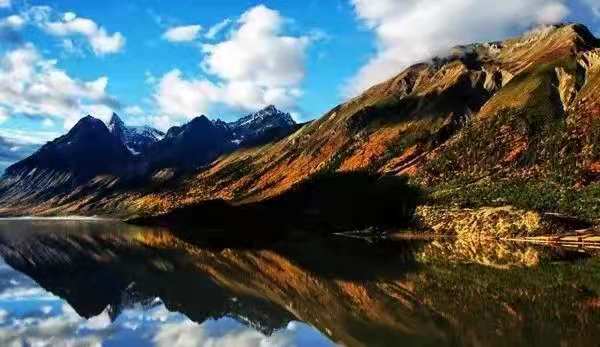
point(505, 222)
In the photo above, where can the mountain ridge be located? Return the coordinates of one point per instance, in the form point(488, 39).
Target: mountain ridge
point(116, 157)
point(509, 122)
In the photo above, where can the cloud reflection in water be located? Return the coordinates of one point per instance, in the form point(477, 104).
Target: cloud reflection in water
point(31, 316)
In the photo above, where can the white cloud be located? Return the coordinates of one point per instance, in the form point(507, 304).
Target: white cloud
point(14, 22)
point(69, 16)
point(134, 110)
point(257, 65)
point(99, 322)
point(181, 98)
point(188, 334)
point(70, 25)
point(162, 122)
point(182, 33)
point(216, 29)
point(57, 330)
point(414, 30)
point(5, 3)
point(257, 52)
point(27, 137)
point(34, 86)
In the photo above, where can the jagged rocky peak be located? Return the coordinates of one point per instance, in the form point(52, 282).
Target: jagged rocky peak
point(136, 138)
point(221, 124)
point(269, 116)
point(115, 123)
point(257, 127)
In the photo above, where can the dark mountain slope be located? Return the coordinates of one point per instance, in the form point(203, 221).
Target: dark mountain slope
point(94, 165)
point(88, 149)
point(190, 146)
point(82, 163)
point(201, 141)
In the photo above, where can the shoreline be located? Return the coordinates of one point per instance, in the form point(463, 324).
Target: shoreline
point(60, 218)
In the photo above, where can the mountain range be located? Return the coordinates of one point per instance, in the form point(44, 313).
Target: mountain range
point(515, 122)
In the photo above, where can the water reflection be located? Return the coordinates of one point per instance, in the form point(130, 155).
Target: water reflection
point(123, 285)
point(31, 316)
point(94, 284)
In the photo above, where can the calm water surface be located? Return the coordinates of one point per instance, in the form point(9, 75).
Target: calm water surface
point(100, 283)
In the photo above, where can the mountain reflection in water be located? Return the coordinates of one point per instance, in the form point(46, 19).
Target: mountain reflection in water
point(108, 283)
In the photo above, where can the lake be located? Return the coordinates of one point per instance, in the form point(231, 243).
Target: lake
point(105, 283)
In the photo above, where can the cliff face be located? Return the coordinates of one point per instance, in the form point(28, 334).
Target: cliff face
point(512, 122)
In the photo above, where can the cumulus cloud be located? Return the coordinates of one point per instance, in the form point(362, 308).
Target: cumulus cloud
point(257, 52)
point(14, 22)
point(70, 25)
point(33, 86)
point(255, 66)
point(185, 33)
point(4, 3)
point(414, 30)
point(177, 96)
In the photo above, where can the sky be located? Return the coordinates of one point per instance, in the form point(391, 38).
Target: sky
point(161, 63)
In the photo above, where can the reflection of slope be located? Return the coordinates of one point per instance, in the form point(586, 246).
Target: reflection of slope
point(391, 293)
point(45, 320)
point(381, 293)
point(106, 272)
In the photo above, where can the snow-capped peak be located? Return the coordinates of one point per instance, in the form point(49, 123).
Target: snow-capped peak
point(255, 125)
point(136, 138)
point(268, 117)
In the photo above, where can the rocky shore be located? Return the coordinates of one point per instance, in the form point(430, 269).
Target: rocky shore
point(504, 222)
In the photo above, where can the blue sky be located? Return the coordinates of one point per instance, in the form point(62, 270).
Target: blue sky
point(154, 61)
